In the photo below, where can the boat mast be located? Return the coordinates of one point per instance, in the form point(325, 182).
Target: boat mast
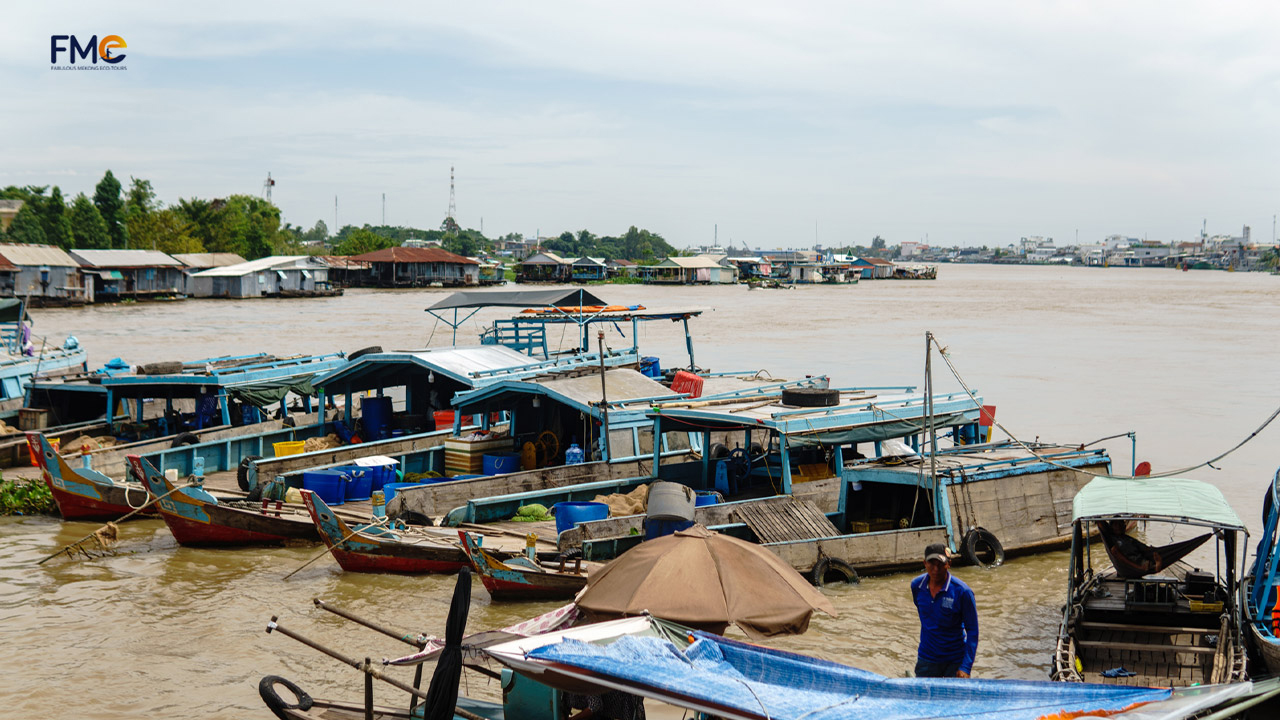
point(933, 432)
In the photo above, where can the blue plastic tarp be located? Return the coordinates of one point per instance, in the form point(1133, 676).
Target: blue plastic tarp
point(762, 682)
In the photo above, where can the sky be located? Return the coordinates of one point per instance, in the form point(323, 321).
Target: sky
point(759, 124)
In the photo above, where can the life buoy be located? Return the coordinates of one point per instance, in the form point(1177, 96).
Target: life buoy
point(267, 689)
point(185, 438)
point(242, 472)
point(828, 565)
point(980, 542)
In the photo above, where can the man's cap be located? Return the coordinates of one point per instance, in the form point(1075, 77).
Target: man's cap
point(937, 551)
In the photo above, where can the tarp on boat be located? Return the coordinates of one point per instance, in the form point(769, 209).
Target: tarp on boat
point(737, 680)
point(265, 394)
point(11, 310)
point(1176, 498)
point(518, 298)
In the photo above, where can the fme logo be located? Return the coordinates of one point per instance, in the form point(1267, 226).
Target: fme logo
point(90, 53)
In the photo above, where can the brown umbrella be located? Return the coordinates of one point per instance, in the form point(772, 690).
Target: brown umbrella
point(708, 581)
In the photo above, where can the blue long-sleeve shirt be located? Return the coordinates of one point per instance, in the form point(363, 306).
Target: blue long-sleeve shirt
point(948, 622)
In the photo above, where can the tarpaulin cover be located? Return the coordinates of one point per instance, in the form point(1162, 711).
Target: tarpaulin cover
point(10, 309)
point(761, 682)
point(518, 298)
point(1167, 497)
point(265, 394)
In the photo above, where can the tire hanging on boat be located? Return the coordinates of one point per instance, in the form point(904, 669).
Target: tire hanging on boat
point(810, 397)
point(826, 565)
point(242, 472)
point(185, 438)
point(979, 542)
point(267, 689)
point(365, 351)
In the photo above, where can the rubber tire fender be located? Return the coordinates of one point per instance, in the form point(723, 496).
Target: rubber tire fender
point(364, 351)
point(817, 576)
point(981, 535)
point(277, 705)
point(719, 451)
point(185, 438)
point(242, 472)
point(810, 397)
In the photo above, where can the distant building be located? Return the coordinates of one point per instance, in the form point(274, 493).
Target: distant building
point(44, 273)
point(419, 267)
point(420, 243)
point(8, 211)
point(544, 266)
point(699, 270)
point(121, 274)
point(587, 269)
point(195, 262)
point(281, 275)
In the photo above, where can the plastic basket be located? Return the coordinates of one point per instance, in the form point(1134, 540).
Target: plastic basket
point(292, 447)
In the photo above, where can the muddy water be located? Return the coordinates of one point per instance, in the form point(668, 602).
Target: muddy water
point(1186, 360)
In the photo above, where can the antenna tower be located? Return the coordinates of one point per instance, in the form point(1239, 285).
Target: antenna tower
point(453, 207)
point(267, 185)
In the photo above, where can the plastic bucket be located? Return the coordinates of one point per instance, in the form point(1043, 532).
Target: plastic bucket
point(569, 514)
point(375, 416)
point(670, 501)
point(706, 497)
point(649, 367)
point(444, 419)
point(380, 475)
point(291, 447)
point(330, 485)
point(390, 489)
point(501, 463)
point(360, 486)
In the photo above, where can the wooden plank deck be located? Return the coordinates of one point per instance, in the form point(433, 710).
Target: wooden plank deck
point(785, 522)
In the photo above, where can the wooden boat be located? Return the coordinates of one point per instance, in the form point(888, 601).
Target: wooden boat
point(378, 549)
point(1262, 603)
point(84, 494)
point(197, 518)
point(520, 578)
point(1152, 619)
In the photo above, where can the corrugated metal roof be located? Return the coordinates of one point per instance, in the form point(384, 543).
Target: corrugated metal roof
point(413, 255)
point(275, 262)
point(690, 263)
point(124, 258)
point(36, 255)
point(208, 260)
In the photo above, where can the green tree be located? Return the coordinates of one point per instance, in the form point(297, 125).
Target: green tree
point(165, 230)
point(26, 227)
point(360, 241)
point(87, 226)
point(106, 196)
point(255, 225)
point(54, 220)
point(464, 244)
point(141, 198)
point(877, 243)
point(318, 233)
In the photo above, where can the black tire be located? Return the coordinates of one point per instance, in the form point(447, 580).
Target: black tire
point(810, 397)
point(719, 451)
point(981, 548)
point(832, 570)
point(365, 351)
point(185, 439)
point(277, 705)
point(242, 472)
point(172, 367)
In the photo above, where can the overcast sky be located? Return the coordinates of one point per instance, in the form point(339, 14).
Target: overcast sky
point(967, 123)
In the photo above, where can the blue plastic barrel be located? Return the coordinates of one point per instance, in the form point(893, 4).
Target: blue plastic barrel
point(330, 485)
point(569, 514)
point(706, 497)
point(649, 367)
point(390, 489)
point(501, 463)
point(375, 414)
point(360, 485)
point(655, 528)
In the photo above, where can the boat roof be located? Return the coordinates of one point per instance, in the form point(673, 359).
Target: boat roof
point(201, 376)
point(582, 392)
point(518, 298)
point(274, 262)
point(1175, 499)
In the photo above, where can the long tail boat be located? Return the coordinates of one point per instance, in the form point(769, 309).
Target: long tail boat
point(84, 494)
point(197, 518)
point(377, 549)
point(519, 578)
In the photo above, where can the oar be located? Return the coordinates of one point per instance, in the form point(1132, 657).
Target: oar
point(366, 666)
point(322, 554)
point(66, 548)
point(370, 624)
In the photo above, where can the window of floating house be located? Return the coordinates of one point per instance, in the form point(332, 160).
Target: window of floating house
point(262, 278)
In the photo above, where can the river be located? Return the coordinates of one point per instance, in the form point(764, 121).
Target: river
point(1186, 360)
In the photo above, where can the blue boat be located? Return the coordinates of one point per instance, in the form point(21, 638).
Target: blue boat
point(23, 357)
point(1262, 600)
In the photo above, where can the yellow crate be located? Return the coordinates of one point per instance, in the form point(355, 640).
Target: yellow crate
point(1202, 606)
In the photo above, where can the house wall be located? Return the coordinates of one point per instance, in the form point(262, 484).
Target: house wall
point(64, 282)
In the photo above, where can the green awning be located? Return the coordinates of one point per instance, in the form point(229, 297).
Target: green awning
point(265, 394)
point(1178, 498)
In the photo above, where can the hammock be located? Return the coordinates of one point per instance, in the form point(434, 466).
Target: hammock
point(1133, 558)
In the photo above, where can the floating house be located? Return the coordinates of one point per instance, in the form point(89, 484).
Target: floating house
point(419, 267)
point(492, 272)
point(832, 273)
point(621, 268)
point(120, 274)
point(699, 270)
point(195, 262)
point(881, 268)
point(45, 274)
point(345, 271)
point(545, 267)
point(587, 269)
point(277, 276)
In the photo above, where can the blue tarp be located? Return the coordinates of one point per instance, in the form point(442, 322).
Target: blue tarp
point(786, 686)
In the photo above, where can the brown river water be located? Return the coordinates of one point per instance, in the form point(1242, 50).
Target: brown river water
point(1185, 360)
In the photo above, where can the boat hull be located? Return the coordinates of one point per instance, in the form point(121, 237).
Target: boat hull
point(79, 496)
point(508, 582)
point(1268, 648)
point(363, 552)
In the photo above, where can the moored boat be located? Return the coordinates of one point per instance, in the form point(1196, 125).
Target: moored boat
point(1262, 602)
point(520, 578)
point(1151, 618)
point(376, 548)
point(197, 518)
point(84, 494)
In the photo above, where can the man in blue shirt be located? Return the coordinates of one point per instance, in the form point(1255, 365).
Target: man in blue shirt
point(948, 618)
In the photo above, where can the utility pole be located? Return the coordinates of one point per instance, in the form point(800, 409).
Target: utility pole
point(384, 209)
point(335, 214)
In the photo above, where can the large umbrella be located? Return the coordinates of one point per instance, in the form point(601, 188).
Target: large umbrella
point(708, 581)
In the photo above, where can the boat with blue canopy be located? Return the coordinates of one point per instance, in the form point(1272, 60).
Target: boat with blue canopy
point(1262, 586)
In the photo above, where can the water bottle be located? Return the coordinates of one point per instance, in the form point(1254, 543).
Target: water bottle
point(573, 456)
point(531, 546)
point(379, 501)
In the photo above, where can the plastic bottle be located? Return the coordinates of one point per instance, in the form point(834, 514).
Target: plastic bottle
point(379, 501)
point(573, 456)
